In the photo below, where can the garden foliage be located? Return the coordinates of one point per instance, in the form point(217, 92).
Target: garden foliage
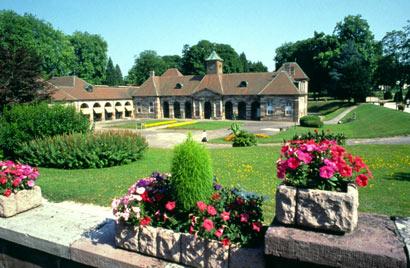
point(22, 123)
point(311, 121)
point(73, 151)
point(317, 136)
point(241, 137)
point(191, 174)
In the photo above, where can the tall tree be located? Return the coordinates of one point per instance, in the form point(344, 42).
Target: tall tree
point(118, 76)
point(147, 61)
point(257, 67)
point(172, 61)
point(91, 56)
point(110, 74)
point(351, 74)
point(28, 33)
point(244, 61)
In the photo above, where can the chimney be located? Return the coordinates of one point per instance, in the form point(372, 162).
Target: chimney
point(151, 73)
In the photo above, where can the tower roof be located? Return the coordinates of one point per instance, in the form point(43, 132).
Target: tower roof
point(214, 56)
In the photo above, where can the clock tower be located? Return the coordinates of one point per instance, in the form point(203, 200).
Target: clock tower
point(214, 64)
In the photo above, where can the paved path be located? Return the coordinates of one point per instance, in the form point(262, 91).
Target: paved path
point(335, 120)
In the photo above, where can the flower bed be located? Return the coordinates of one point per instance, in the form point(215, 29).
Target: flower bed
point(161, 123)
point(180, 124)
point(17, 186)
point(150, 222)
point(318, 190)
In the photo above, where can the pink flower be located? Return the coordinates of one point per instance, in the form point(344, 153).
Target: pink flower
point(244, 217)
point(326, 172)
point(293, 163)
point(16, 182)
point(304, 157)
point(211, 210)
point(225, 216)
point(330, 164)
point(256, 226)
point(208, 225)
point(361, 180)
point(7, 193)
point(201, 206)
point(191, 229)
point(219, 232)
point(170, 206)
point(3, 180)
point(31, 183)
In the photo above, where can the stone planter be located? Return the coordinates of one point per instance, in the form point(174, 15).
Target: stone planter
point(185, 248)
point(21, 201)
point(317, 209)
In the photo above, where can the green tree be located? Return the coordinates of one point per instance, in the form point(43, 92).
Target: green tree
point(110, 74)
point(26, 33)
point(91, 56)
point(350, 74)
point(172, 61)
point(244, 61)
point(147, 61)
point(118, 75)
point(257, 67)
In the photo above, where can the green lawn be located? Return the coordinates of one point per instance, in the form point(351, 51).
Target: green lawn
point(253, 168)
point(132, 124)
point(208, 125)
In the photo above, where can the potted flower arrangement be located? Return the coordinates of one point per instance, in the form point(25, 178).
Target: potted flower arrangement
point(17, 187)
point(157, 218)
point(319, 188)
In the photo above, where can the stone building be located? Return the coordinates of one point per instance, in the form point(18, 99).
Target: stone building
point(98, 103)
point(275, 96)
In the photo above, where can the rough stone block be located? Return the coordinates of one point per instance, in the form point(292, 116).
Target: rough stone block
point(21, 201)
point(126, 237)
point(327, 210)
point(169, 244)
point(216, 254)
point(373, 244)
point(148, 240)
point(285, 204)
point(192, 250)
point(246, 257)
point(28, 199)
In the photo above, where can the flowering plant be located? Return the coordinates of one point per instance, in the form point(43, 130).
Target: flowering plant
point(15, 177)
point(229, 215)
point(321, 165)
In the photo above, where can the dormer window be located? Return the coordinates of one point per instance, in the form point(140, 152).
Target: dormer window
point(243, 84)
point(89, 88)
point(179, 85)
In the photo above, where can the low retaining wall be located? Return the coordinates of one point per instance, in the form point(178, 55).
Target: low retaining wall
point(75, 235)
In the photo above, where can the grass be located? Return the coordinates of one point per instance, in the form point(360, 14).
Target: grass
point(253, 168)
point(328, 109)
point(371, 122)
point(132, 124)
point(207, 125)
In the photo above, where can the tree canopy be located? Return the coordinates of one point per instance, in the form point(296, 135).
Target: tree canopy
point(147, 61)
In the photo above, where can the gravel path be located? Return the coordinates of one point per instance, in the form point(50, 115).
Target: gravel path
point(335, 120)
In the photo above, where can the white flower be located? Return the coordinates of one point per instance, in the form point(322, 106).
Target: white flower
point(136, 209)
point(140, 190)
point(138, 197)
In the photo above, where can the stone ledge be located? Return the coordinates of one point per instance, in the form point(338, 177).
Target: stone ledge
point(373, 244)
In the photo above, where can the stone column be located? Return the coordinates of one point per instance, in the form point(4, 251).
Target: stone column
point(182, 110)
point(171, 110)
point(214, 109)
point(235, 109)
point(157, 108)
point(221, 110)
point(201, 106)
point(296, 110)
point(193, 109)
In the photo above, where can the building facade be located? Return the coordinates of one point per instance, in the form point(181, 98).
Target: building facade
point(274, 96)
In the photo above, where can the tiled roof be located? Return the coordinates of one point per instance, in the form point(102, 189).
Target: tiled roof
point(172, 72)
point(280, 85)
point(294, 70)
point(71, 88)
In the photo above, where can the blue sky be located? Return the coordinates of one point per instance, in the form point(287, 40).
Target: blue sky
point(255, 27)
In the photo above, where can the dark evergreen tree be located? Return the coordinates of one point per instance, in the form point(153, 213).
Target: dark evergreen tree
point(118, 76)
point(244, 61)
point(110, 74)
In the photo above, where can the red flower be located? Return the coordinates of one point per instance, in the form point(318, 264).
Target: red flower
point(225, 216)
point(170, 206)
point(293, 163)
point(191, 229)
point(16, 182)
point(145, 221)
point(201, 206)
point(219, 232)
point(345, 170)
point(3, 180)
point(244, 217)
point(361, 180)
point(211, 210)
point(145, 197)
point(216, 196)
point(225, 242)
point(358, 164)
point(7, 193)
point(208, 225)
point(256, 226)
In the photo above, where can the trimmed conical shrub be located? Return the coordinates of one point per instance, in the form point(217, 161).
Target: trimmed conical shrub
point(191, 171)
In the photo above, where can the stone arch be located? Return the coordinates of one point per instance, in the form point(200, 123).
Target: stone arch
point(255, 110)
point(242, 110)
point(97, 112)
point(229, 110)
point(207, 110)
point(119, 110)
point(165, 109)
point(128, 109)
point(109, 111)
point(177, 110)
point(188, 109)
